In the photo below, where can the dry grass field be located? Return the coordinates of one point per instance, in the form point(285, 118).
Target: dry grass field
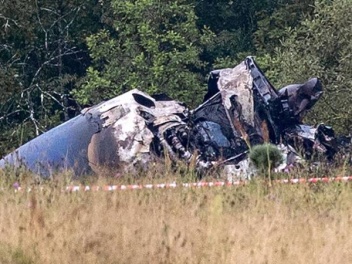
point(254, 223)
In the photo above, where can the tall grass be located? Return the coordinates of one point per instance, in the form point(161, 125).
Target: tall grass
point(254, 223)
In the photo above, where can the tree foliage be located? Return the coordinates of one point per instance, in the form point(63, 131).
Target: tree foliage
point(152, 45)
point(266, 157)
point(275, 23)
point(321, 46)
point(42, 53)
point(100, 49)
point(233, 23)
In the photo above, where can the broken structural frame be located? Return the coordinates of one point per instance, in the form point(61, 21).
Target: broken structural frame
point(241, 108)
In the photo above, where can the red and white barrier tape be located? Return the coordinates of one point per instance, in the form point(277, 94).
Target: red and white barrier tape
point(75, 188)
point(150, 186)
point(197, 184)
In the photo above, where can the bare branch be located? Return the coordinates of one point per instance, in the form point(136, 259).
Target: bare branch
point(42, 27)
point(10, 114)
point(47, 62)
point(50, 96)
point(9, 19)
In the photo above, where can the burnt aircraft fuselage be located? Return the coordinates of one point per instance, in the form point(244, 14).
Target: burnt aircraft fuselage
point(241, 109)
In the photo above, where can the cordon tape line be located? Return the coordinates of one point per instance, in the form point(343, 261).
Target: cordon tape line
point(199, 184)
point(75, 188)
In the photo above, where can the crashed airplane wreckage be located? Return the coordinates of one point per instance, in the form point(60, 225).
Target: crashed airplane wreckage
point(241, 109)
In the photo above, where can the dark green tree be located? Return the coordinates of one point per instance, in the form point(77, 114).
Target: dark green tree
point(42, 55)
point(150, 45)
point(234, 23)
point(274, 23)
point(321, 46)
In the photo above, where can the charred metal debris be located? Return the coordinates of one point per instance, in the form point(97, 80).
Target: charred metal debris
point(241, 109)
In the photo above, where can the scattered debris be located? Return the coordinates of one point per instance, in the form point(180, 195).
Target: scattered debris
point(240, 110)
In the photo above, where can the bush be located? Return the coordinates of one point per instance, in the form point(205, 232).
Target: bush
point(265, 156)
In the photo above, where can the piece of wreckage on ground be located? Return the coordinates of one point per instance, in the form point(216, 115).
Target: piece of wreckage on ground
point(241, 109)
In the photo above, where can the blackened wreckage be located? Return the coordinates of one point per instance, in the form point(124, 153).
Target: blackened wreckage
point(240, 109)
